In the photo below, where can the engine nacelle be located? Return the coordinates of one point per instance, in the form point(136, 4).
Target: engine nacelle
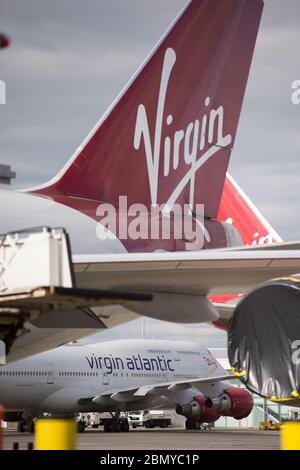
point(234, 402)
point(198, 411)
point(264, 340)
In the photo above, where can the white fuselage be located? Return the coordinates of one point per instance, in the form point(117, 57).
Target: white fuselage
point(67, 378)
point(21, 210)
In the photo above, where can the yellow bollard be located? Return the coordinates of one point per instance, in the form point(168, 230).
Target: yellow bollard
point(1, 430)
point(290, 436)
point(55, 434)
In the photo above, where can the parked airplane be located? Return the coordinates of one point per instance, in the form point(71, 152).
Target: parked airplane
point(121, 376)
point(166, 140)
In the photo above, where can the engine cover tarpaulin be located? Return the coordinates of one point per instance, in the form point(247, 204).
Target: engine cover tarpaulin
point(264, 340)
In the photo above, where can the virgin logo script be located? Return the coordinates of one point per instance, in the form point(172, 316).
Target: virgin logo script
point(194, 145)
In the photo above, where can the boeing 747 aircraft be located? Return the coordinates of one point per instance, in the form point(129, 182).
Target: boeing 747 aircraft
point(120, 376)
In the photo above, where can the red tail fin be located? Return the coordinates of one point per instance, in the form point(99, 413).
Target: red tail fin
point(169, 136)
point(237, 209)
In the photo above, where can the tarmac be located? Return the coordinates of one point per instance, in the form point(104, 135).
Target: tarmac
point(164, 439)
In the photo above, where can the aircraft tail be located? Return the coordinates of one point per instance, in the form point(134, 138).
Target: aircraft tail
point(237, 209)
point(169, 135)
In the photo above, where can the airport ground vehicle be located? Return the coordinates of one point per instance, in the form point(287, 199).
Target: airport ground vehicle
point(149, 419)
point(269, 426)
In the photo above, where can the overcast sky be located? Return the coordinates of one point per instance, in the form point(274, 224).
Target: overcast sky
point(70, 58)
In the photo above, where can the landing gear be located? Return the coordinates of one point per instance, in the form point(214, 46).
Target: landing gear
point(124, 425)
point(26, 426)
point(107, 426)
point(30, 427)
point(22, 426)
point(80, 426)
point(190, 424)
point(116, 424)
point(149, 425)
point(121, 425)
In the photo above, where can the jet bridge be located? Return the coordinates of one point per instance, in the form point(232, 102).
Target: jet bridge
point(37, 285)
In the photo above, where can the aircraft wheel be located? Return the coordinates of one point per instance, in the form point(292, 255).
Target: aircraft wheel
point(124, 426)
point(189, 425)
point(107, 426)
point(30, 427)
point(21, 426)
point(116, 427)
point(80, 427)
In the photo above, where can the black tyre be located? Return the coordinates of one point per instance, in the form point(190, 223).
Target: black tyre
point(80, 427)
point(107, 426)
point(116, 427)
point(189, 425)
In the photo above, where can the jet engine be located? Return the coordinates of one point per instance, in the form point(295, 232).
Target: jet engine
point(234, 402)
point(264, 340)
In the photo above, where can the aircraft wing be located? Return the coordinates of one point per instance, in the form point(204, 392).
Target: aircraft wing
point(137, 393)
point(180, 282)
